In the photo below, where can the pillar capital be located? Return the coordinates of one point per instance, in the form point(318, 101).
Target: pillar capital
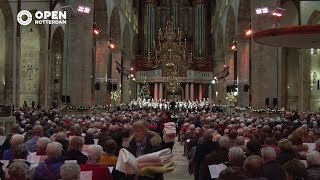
point(195, 2)
point(149, 2)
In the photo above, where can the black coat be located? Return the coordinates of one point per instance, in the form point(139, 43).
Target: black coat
point(76, 155)
point(273, 170)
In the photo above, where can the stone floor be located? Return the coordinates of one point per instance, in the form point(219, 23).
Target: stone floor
point(181, 162)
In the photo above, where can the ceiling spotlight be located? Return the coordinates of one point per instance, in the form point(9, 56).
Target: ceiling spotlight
point(263, 10)
point(278, 12)
point(248, 32)
point(112, 46)
point(84, 9)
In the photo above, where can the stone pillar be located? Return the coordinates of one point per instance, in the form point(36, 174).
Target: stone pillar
point(160, 91)
point(149, 27)
point(175, 14)
point(200, 92)
point(200, 16)
point(210, 91)
point(101, 70)
point(138, 90)
point(191, 91)
point(304, 80)
point(187, 92)
point(80, 55)
point(155, 97)
point(243, 72)
point(17, 72)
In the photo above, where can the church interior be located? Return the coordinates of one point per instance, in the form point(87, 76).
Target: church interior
point(185, 56)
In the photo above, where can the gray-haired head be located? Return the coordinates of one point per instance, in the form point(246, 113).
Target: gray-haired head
point(268, 154)
point(313, 158)
point(70, 171)
point(54, 150)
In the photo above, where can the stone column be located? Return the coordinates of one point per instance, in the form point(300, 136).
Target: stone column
point(80, 55)
point(243, 71)
point(17, 74)
point(304, 80)
point(160, 91)
point(191, 91)
point(149, 27)
point(155, 97)
point(187, 92)
point(200, 92)
point(175, 14)
point(101, 70)
point(138, 90)
point(210, 91)
point(200, 16)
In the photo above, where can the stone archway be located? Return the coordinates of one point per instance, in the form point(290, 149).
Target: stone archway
point(56, 65)
point(7, 78)
point(32, 64)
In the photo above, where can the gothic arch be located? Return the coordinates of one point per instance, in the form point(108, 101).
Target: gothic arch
point(291, 15)
point(101, 14)
point(56, 66)
point(230, 27)
point(314, 17)
point(7, 56)
point(115, 26)
point(244, 15)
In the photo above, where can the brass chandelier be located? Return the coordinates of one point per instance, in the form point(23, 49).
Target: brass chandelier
point(170, 55)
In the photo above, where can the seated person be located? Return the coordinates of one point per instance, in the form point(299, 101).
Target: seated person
point(74, 150)
point(70, 171)
point(109, 158)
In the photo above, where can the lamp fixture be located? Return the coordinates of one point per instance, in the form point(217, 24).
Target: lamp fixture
point(84, 9)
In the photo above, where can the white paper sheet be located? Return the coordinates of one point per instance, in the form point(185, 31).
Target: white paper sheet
point(110, 169)
point(215, 169)
point(311, 146)
point(86, 175)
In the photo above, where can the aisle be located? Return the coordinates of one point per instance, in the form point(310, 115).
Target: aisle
point(181, 162)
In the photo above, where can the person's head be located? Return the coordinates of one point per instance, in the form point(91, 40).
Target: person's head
point(140, 130)
point(110, 146)
point(20, 152)
point(295, 170)
point(94, 153)
point(42, 143)
point(76, 143)
point(15, 128)
point(232, 173)
point(16, 139)
point(207, 135)
point(2, 131)
point(61, 136)
point(313, 158)
point(54, 150)
point(318, 145)
point(268, 154)
point(17, 170)
point(37, 130)
point(225, 143)
point(285, 145)
point(236, 156)
point(70, 171)
point(253, 166)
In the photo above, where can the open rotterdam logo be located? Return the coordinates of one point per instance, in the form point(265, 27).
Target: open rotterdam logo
point(25, 17)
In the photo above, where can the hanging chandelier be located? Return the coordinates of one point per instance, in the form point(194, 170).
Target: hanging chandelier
point(170, 55)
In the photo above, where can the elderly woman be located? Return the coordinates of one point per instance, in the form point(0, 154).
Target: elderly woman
point(236, 157)
point(70, 171)
point(313, 160)
point(50, 168)
point(99, 172)
point(18, 170)
point(42, 146)
point(15, 140)
point(286, 151)
point(74, 150)
point(144, 142)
